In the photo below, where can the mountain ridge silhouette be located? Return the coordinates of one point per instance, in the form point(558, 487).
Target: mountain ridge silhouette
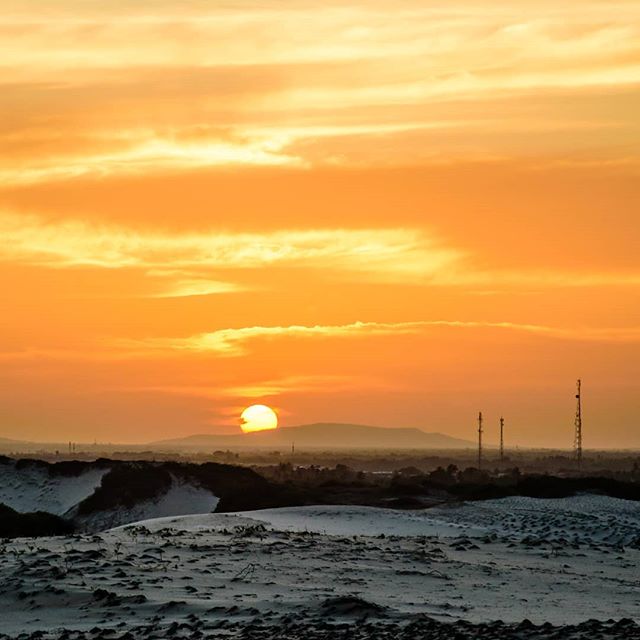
point(326, 435)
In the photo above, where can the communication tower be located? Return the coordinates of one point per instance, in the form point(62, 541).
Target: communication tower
point(577, 443)
point(501, 439)
point(480, 440)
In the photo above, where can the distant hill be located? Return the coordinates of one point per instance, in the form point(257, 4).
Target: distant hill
point(9, 445)
point(10, 441)
point(328, 435)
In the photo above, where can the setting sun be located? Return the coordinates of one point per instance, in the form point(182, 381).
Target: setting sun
point(258, 417)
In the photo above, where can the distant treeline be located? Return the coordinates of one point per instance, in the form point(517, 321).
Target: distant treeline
point(472, 484)
point(411, 488)
point(622, 465)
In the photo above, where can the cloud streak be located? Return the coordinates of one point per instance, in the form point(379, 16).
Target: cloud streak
point(234, 342)
point(74, 244)
point(242, 341)
point(279, 83)
point(194, 263)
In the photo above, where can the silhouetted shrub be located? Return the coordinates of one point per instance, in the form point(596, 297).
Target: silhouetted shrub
point(28, 463)
point(238, 488)
point(126, 485)
point(30, 525)
point(553, 487)
point(545, 486)
point(75, 468)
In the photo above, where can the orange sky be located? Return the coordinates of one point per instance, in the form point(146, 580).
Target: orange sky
point(386, 213)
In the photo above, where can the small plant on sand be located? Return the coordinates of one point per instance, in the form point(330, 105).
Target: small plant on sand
point(245, 574)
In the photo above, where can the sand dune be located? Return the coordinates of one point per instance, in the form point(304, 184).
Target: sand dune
point(99, 495)
point(332, 520)
point(33, 488)
point(309, 569)
point(180, 499)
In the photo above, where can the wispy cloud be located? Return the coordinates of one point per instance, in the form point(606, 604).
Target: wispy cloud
point(244, 34)
point(241, 341)
point(189, 263)
point(281, 84)
point(183, 288)
point(151, 155)
point(72, 244)
point(234, 342)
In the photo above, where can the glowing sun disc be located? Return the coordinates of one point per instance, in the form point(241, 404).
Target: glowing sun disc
point(258, 417)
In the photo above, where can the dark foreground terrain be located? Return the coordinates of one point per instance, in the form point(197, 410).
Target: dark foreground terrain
point(422, 628)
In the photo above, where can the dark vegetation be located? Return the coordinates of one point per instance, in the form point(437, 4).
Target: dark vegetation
point(620, 465)
point(126, 485)
point(409, 488)
point(129, 483)
point(541, 486)
point(472, 484)
point(64, 468)
point(31, 525)
point(238, 488)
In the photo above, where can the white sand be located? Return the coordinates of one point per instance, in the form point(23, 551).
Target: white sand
point(181, 499)
point(334, 521)
point(504, 559)
point(32, 489)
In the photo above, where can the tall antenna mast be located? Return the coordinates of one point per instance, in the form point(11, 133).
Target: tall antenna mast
point(577, 443)
point(480, 440)
point(501, 439)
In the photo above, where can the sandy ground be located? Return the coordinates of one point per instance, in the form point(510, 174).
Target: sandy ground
point(343, 572)
point(32, 489)
point(180, 499)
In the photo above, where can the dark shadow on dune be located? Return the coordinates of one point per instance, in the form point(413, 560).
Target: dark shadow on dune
point(31, 525)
